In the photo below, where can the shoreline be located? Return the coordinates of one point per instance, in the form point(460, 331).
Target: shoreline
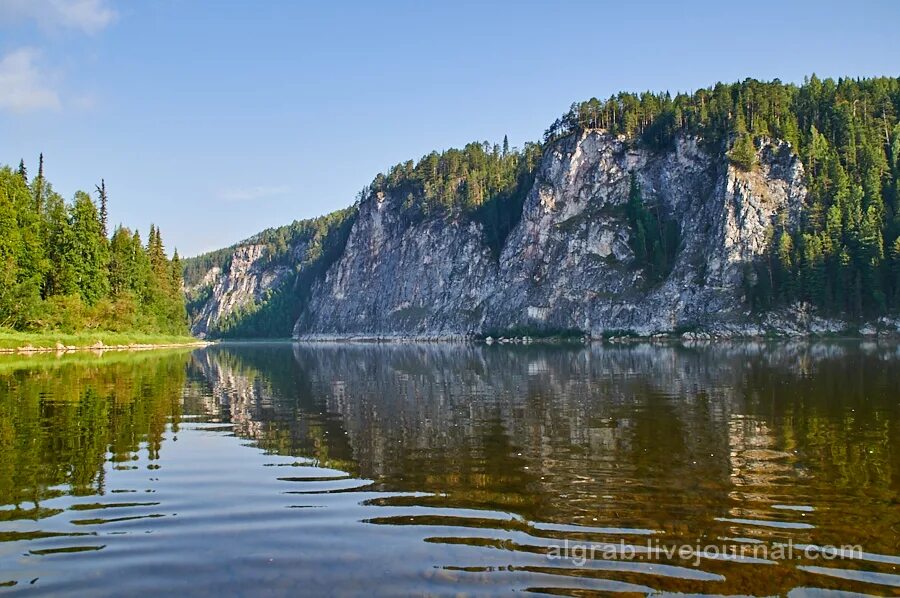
point(102, 348)
point(29, 344)
point(788, 326)
point(686, 338)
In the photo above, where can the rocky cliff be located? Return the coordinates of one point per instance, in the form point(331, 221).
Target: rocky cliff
point(567, 264)
point(245, 282)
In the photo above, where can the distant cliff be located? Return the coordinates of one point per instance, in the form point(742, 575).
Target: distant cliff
point(597, 231)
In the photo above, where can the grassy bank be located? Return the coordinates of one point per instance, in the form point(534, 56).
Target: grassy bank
point(13, 339)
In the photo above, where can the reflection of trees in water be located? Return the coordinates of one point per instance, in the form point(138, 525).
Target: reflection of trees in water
point(574, 433)
point(61, 421)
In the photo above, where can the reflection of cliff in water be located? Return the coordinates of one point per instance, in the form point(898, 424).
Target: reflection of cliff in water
point(267, 398)
point(570, 433)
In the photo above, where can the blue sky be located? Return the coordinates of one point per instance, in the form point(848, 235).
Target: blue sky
point(215, 120)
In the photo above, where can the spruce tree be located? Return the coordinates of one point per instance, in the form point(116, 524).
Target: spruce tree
point(39, 185)
point(104, 216)
point(22, 171)
point(141, 283)
point(121, 262)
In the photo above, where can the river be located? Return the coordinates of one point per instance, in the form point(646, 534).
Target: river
point(443, 469)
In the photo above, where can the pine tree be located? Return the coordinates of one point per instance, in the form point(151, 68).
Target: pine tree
point(22, 171)
point(104, 216)
point(790, 132)
point(743, 152)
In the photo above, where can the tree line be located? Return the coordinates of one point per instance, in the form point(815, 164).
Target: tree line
point(61, 270)
point(485, 182)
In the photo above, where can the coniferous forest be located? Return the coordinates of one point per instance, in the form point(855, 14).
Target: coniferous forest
point(63, 271)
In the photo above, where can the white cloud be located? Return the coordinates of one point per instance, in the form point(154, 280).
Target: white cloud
point(252, 193)
point(23, 86)
point(89, 16)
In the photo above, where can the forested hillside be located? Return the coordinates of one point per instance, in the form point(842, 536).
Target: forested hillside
point(844, 257)
point(836, 249)
point(62, 271)
point(481, 181)
point(300, 252)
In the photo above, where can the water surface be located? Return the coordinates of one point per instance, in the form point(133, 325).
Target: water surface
point(446, 469)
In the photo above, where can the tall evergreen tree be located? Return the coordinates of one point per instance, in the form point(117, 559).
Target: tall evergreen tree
point(39, 185)
point(22, 171)
point(142, 277)
point(743, 152)
point(177, 271)
point(104, 215)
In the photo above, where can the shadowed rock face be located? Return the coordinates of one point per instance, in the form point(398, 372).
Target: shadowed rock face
point(566, 265)
point(246, 280)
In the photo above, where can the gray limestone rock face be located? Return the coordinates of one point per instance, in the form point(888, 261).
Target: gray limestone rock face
point(566, 265)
